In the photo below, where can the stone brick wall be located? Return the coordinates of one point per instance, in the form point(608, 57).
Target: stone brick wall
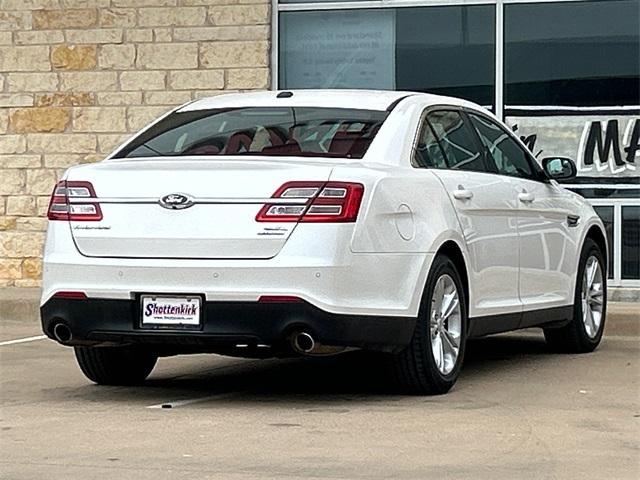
point(79, 76)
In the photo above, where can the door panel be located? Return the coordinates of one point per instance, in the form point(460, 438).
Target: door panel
point(547, 253)
point(485, 204)
point(548, 245)
point(489, 224)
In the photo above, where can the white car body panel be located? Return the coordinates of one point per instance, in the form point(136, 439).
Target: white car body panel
point(489, 226)
point(548, 246)
point(373, 100)
point(210, 230)
point(517, 256)
point(311, 266)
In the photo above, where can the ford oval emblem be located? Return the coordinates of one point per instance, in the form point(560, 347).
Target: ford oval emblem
point(176, 201)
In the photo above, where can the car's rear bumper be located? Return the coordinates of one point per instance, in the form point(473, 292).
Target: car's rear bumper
point(251, 325)
point(318, 267)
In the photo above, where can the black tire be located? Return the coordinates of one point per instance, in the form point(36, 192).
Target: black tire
point(115, 365)
point(573, 337)
point(415, 367)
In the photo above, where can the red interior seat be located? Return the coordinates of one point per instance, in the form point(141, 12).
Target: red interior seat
point(290, 148)
point(239, 142)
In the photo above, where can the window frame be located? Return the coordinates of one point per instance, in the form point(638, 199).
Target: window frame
point(538, 173)
point(622, 249)
point(422, 124)
point(425, 121)
point(617, 204)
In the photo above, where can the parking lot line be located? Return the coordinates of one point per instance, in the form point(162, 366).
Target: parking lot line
point(23, 340)
point(621, 338)
point(180, 403)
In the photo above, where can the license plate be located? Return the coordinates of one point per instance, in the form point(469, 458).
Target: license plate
point(161, 311)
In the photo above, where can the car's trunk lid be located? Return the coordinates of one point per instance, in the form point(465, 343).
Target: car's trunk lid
point(226, 194)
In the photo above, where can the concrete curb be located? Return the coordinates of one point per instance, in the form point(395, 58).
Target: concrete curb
point(624, 294)
point(19, 304)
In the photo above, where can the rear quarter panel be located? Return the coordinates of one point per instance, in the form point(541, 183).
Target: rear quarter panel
point(405, 214)
point(405, 211)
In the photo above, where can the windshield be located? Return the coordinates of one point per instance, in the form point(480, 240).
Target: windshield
point(270, 131)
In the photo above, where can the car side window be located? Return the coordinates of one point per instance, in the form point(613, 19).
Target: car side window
point(509, 157)
point(428, 152)
point(458, 145)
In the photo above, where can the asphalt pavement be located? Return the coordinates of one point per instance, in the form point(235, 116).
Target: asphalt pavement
point(518, 411)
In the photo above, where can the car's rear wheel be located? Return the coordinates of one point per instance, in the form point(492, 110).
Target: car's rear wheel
point(115, 365)
point(584, 332)
point(432, 361)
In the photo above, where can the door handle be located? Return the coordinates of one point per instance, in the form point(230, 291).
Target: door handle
point(526, 197)
point(462, 194)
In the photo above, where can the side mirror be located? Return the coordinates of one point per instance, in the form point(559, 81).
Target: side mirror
point(559, 168)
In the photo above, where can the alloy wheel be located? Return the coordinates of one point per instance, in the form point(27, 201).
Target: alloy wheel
point(592, 297)
point(445, 324)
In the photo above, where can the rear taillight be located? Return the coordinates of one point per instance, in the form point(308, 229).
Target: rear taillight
point(279, 299)
point(75, 201)
point(71, 295)
point(318, 202)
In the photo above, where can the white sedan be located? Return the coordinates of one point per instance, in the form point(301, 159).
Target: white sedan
point(311, 222)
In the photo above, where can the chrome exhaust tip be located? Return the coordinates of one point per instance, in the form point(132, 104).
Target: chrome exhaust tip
point(303, 342)
point(62, 333)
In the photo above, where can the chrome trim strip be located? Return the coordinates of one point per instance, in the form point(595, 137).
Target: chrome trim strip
point(605, 186)
point(205, 201)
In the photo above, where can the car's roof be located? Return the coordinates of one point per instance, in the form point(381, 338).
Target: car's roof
point(358, 99)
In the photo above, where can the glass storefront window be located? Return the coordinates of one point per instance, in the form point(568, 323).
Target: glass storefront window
point(443, 50)
point(447, 51)
point(606, 215)
point(573, 53)
point(630, 242)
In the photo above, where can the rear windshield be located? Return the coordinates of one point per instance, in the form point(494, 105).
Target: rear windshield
point(271, 131)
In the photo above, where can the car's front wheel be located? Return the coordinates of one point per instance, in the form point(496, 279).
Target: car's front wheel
point(115, 365)
point(584, 332)
point(432, 361)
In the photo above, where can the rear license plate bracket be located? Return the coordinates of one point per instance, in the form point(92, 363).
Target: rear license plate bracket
point(170, 312)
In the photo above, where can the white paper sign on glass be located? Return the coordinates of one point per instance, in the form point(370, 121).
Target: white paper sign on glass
point(346, 49)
